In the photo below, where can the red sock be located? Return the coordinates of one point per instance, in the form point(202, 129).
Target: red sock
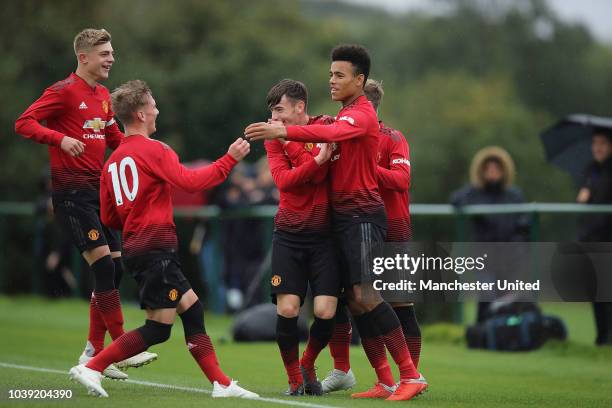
point(374, 348)
point(291, 360)
point(203, 352)
point(339, 346)
point(414, 347)
point(109, 306)
point(125, 346)
point(97, 328)
point(396, 344)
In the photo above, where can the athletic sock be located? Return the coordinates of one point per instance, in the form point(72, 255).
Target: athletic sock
point(203, 352)
point(340, 341)
point(97, 328)
point(388, 325)
point(411, 330)
point(109, 306)
point(200, 346)
point(125, 346)
point(118, 272)
point(374, 346)
point(321, 331)
point(107, 297)
point(287, 338)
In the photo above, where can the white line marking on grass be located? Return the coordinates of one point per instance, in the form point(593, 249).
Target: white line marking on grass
point(167, 386)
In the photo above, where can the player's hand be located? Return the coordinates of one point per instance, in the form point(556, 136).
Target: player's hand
point(583, 195)
point(72, 146)
point(262, 130)
point(239, 149)
point(324, 154)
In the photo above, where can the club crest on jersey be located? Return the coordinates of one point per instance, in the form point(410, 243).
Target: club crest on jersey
point(96, 124)
point(276, 280)
point(105, 106)
point(308, 146)
point(93, 235)
point(83, 105)
point(173, 295)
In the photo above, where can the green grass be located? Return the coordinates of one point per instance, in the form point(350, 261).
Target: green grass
point(51, 334)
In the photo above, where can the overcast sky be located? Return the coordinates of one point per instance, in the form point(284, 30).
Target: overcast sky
point(596, 14)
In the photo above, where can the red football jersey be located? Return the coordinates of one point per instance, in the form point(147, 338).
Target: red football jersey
point(136, 192)
point(73, 108)
point(394, 182)
point(354, 182)
point(304, 204)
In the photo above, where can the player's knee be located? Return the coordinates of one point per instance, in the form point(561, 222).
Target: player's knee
point(288, 309)
point(325, 312)
point(104, 274)
point(193, 320)
point(155, 332)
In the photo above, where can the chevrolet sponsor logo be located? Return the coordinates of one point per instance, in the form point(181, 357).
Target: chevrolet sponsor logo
point(96, 124)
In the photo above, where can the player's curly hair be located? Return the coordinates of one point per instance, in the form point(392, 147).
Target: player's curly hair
point(89, 38)
point(374, 91)
point(292, 89)
point(128, 98)
point(356, 55)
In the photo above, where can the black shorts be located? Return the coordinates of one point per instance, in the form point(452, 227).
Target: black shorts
point(161, 283)
point(79, 215)
point(356, 244)
point(296, 266)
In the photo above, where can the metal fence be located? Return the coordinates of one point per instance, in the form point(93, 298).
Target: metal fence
point(18, 219)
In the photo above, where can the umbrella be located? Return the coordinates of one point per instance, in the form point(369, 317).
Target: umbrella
point(568, 142)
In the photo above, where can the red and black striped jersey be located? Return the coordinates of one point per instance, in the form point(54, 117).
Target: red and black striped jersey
point(354, 183)
point(304, 204)
point(136, 192)
point(73, 108)
point(394, 182)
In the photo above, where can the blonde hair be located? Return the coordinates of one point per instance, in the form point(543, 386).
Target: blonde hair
point(128, 98)
point(373, 90)
point(89, 38)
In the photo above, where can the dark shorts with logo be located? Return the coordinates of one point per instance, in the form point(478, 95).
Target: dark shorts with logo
point(295, 266)
point(161, 283)
point(79, 215)
point(356, 245)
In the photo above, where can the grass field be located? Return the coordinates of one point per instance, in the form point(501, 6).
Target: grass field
point(50, 335)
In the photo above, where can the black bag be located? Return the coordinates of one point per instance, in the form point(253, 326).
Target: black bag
point(259, 324)
point(515, 326)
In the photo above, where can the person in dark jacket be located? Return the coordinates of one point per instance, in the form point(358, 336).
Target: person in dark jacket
point(492, 173)
point(597, 189)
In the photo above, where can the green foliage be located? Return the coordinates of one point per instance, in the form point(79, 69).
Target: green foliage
point(475, 76)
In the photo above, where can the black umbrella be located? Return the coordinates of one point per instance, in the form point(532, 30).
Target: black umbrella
point(568, 143)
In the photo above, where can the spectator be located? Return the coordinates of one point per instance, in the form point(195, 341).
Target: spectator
point(491, 182)
point(597, 189)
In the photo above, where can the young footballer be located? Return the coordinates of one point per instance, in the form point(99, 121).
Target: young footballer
point(359, 218)
point(302, 252)
point(135, 196)
point(394, 181)
point(75, 119)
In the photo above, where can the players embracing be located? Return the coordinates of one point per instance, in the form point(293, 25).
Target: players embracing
point(359, 220)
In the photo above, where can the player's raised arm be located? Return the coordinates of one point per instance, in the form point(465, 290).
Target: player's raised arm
point(345, 128)
point(194, 180)
point(285, 176)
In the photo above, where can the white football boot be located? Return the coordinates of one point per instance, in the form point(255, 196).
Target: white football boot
point(111, 371)
point(91, 379)
point(138, 360)
point(338, 380)
point(232, 390)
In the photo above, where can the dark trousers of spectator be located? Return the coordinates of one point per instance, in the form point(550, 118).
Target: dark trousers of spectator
point(603, 322)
